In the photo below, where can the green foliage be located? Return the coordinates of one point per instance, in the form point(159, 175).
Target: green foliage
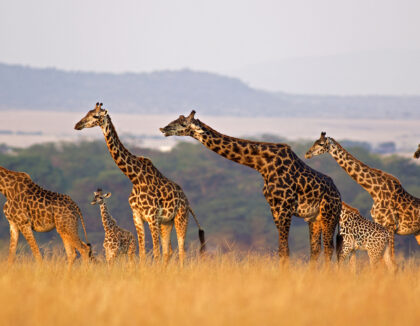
point(226, 197)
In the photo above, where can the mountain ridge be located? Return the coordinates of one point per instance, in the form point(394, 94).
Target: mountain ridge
point(23, 87)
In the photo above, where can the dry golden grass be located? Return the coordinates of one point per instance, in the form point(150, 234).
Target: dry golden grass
point(219, 290)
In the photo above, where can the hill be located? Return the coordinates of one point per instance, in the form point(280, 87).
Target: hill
point(177, 91)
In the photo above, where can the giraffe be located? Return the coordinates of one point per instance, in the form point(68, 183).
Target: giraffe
point(154, 198)
point(356, 232)
point(31, 208)
point(393, 207)
point(290, 186)
point(117, 240)
point(417, 152)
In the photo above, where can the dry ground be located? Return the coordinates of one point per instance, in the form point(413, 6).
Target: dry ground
point(219, 290)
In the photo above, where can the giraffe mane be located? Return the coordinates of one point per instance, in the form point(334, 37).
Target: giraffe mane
point(244, 140)
point(350, 208)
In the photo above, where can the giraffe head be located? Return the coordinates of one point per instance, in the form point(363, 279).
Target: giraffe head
point(321, 146)
point(93, 118)
point(417, 153)
point(183, 126)
point(99, 197)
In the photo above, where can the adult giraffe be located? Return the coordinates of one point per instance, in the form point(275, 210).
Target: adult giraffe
point(30, 207)
point(154, 198)
point(290, 186)
point(393, 207)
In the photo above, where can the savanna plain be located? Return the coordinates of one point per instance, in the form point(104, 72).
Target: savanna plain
point(219, 289)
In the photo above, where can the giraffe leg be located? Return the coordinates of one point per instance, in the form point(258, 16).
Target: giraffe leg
point(155, 231)
point(344, 252)
point(14, 238)
point(67, 228)
point(374, 258)
point(315, 239)
point(70, 252)
point(389, 262)
point(81, 247)
point(282, 219)
point(391, 242)
point(165, 237)
point(29, 236)
point(110, 257)
point(353, 261)
point(131, 250)
point(138, 223)
point(181, 225)
point(330, 215)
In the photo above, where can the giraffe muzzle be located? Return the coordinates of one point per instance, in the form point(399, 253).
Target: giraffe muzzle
point(166, 131)
point(79, 126)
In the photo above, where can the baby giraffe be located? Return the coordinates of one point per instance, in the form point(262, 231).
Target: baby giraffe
point(356, 232)
point(117, 240)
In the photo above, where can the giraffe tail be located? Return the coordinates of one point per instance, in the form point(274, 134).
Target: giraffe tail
point(201, 235)
point(83, 226)
point(339, 245)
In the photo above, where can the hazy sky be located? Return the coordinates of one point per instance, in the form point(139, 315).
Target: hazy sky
point(219, 35)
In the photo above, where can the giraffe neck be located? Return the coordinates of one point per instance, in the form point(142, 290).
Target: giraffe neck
point(107, 220)
point(245, 152)
point(122, 157)
point(357, 170)
point(7, 180)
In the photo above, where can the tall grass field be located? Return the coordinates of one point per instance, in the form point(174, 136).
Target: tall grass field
point(221, 289)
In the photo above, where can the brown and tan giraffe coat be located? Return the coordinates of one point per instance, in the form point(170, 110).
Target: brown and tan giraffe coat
point(358, 233)
point(117, 241)
point(154, 198)
point(31, 208)
point(393, 207)
point(290, 186)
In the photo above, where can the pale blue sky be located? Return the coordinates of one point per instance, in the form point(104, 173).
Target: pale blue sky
point(217, 36)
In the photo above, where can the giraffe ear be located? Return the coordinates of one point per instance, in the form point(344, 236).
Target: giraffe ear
point(191, 116)
point(93, 202)
point(107, 195)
